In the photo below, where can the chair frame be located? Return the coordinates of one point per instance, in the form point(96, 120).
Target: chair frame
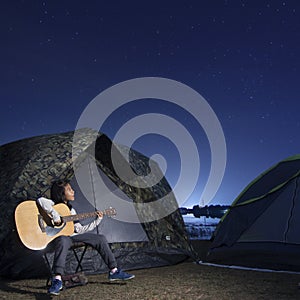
point(78, 256)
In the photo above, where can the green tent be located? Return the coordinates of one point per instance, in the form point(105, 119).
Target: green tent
point(262, 227)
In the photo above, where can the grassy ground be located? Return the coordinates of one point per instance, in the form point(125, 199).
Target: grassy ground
point(183, 281)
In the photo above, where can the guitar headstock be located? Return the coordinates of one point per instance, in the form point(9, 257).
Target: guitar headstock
point(110, 212)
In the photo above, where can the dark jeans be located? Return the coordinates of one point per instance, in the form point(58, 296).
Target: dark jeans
point(63, 243)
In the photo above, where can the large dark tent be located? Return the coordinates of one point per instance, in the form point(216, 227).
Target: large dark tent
point(262, 227)
point(28, 168)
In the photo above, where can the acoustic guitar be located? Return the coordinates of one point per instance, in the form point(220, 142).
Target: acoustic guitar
point(36, 228)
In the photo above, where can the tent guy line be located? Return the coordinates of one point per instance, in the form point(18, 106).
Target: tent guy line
point(245, 268)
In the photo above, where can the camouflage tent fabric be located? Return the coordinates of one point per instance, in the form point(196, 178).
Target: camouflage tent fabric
point(29, 167)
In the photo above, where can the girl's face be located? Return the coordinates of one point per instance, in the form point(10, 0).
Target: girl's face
point(69, 193)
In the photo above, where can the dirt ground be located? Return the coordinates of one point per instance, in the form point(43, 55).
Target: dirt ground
point(186, 280)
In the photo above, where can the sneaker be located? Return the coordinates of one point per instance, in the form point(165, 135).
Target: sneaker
point(119, 275)
point(56, 286)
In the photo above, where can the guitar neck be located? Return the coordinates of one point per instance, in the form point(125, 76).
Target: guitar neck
point(72, 218)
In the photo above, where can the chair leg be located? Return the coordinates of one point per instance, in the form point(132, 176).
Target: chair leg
point(79, 259)
point(49, 269)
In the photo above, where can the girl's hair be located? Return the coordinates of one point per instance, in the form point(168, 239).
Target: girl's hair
point(58, 192)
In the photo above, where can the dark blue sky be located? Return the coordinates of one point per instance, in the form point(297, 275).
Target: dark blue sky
point(241, 56)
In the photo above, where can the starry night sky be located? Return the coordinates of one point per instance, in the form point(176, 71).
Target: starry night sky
point(241, 56)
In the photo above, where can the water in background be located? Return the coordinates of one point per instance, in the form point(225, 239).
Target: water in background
point(200, 228)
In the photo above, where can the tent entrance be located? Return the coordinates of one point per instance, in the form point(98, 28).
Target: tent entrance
point(98, 192)
point(279, 222)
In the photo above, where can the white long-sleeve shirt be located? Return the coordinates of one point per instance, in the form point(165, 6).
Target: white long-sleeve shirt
point(47, 205)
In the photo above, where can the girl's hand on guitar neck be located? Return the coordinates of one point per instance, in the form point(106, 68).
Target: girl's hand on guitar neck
point(99, 214)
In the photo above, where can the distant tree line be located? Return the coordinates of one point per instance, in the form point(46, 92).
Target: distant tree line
point(211, 211)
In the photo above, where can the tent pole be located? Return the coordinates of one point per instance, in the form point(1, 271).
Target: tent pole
point(93, 187)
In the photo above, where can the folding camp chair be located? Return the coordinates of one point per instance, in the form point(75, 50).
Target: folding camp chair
point(78, 249)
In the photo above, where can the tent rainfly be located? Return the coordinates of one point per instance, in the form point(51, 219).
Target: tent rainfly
point(29, 167)
point(261, 229)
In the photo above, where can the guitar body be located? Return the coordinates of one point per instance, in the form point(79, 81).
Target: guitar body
point(34, 225)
